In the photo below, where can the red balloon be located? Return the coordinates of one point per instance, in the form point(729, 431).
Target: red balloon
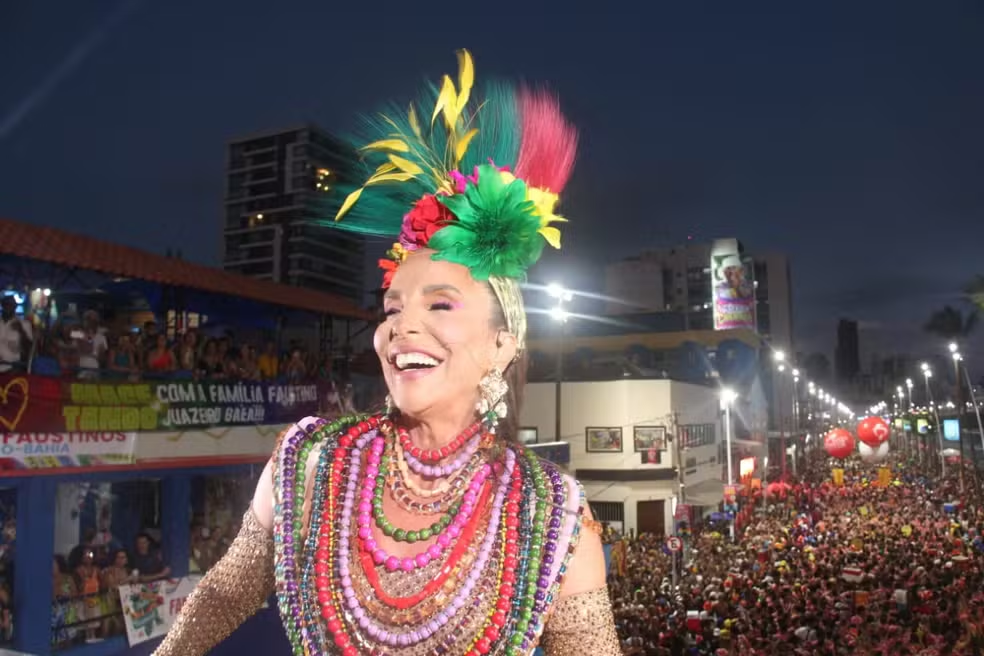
point(839, 443)
point(873, 431)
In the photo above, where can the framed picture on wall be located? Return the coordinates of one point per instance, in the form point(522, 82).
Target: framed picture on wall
point(645, 438)
point(603, 440)
point(527, 435)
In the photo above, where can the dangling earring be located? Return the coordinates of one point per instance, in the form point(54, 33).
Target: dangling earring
point(390, 406)
point(492, 405)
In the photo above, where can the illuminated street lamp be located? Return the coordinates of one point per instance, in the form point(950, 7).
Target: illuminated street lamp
point(559, 314)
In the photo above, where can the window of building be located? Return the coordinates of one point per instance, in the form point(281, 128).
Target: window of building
point(217, 507)
point(106, 535)
point(695, 435)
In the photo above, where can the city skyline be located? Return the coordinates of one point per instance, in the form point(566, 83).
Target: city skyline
point(847, 138)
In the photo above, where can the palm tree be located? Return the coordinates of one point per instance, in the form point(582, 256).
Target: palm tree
point(951, 323)
point(975, 292)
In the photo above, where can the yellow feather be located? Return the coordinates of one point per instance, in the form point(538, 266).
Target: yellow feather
point(447, 98)
point(552, 235)
point(405, 165)
point(397, 145)
point(414, 123)
point(461, 147)
point(389, 177)
point(385, 167)
point(350, 200)
point(466, 78)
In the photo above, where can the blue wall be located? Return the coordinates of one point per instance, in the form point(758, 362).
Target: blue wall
point(35, 549)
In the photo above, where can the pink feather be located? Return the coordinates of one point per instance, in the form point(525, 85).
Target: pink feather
point(548, 143)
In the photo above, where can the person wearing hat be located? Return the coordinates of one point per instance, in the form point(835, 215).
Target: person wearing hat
point(16, 336)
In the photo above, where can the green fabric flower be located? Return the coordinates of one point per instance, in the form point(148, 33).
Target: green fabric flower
point(495, 233)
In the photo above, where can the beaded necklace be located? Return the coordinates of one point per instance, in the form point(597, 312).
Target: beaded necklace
point(502, 553)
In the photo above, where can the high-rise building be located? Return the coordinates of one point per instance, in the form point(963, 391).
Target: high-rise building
point(847, 355)
point(680, 280)
point(276, 185)
point(690, 280)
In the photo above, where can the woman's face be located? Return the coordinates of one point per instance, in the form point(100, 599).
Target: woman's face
point(438, 341)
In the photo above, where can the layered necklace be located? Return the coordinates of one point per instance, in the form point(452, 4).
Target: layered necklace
point(477, 579)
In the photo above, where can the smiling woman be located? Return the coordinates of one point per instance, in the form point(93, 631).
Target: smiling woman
point(429, 529)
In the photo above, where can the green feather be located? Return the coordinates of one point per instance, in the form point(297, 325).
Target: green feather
point(498, 124)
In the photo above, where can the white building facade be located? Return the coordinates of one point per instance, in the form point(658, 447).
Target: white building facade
point(639, 447)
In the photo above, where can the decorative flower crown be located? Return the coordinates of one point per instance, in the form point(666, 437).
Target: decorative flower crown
point(480, 188)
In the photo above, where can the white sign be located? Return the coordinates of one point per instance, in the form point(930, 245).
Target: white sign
point(40, 450)
point(674, 544)
point(150, 609)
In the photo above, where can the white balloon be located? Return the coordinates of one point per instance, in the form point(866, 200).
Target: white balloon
point(873, 454)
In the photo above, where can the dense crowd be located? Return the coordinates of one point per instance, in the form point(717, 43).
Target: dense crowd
point(89, 349)
point(827, 570)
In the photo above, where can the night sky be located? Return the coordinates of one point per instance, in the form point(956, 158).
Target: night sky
point(849, 135)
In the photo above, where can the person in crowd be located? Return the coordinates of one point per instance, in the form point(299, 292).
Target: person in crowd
point(88, 583)
point(210, 365)
point(90, 341)
point(187, 353)
point(269, 362)
point(428, 528)
point(115, 574)
point(122, 360)
point(16, 336)
point(147, 561)
point(160, 359)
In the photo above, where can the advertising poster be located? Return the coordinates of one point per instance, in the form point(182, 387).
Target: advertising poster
point(733, 285)
point(149, 609)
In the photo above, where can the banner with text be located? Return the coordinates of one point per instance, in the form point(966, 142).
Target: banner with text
point(149, 609)
point(46, 450)
point(36, 404)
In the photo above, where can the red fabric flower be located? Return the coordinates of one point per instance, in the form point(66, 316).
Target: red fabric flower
point(389, 268)
point(427, 217)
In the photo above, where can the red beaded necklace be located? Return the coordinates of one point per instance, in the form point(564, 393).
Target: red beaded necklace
point(436, 455)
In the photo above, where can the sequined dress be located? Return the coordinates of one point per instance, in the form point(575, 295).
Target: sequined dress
point(492, 591)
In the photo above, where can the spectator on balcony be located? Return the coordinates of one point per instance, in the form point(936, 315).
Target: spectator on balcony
point(91, 344)
point(16, 336)
point(87, 578)
point(147, 561)
point(268, 362)
point(188, 351)
point(122, 358)
point(160, 359)
point(64, 350)
point(296, 368)
point(113, 576)
point(249, 367)
point(210, 365)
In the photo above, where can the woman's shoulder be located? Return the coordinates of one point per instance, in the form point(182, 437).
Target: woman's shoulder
point(554, 472)
point(314, 431)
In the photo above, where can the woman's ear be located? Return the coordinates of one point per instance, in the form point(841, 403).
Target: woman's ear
point(507, 348)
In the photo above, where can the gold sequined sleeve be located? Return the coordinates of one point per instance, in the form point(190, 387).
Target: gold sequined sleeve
point(227, 596)
point(582, 624)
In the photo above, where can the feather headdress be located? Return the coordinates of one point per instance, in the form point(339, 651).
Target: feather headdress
point(474, 176)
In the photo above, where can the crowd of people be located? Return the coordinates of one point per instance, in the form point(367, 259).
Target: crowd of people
point(88, 349)
point(826, 570)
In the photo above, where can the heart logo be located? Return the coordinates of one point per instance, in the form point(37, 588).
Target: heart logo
point(13, 405)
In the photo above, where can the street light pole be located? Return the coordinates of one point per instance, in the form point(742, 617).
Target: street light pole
point(973, 400)
point(559, 314)
point(928, 373)
point(960, 409)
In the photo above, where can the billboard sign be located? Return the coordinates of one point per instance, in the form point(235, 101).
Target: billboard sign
point(733, 285)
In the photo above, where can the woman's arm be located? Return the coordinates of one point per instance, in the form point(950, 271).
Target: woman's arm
point(581, 622)
point(236, 586)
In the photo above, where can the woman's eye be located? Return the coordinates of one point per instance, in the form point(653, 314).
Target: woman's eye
point(441, 305)
point(389, 312)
